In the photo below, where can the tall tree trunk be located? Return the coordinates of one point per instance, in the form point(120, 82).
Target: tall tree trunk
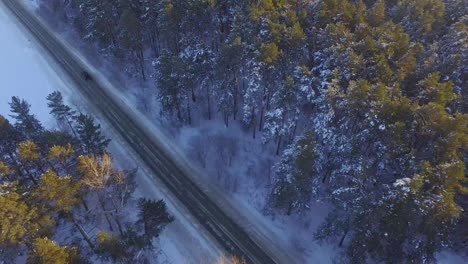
point(69, 122)
point(82, 231)
point(260, 125)
point(325, 175)
point(280, 138)
point(85, 205)
point(194, 98)
point(141, 60)
point(71, 127)
point(119, 225)
point(177, 43)
point(154, 42)
point(290, 207)
point(294, 131)
point(179, 114)
point(116, 217)
point(236, 92)
point(189, 112)
point(103, 207)
point(278, 146)
point(226, 119)
point(268, 99)
point(208, 101)
point(254, 122)
point(343, 238)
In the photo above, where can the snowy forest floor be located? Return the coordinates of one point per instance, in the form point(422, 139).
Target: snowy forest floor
point(239, 166)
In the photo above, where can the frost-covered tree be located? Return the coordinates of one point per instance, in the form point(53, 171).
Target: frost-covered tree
point(99, 20)
point(228, 78)
point(174, 93)
point(293, 189)
point(150, 12)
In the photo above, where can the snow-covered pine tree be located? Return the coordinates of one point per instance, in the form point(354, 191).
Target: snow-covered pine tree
point(293, 189)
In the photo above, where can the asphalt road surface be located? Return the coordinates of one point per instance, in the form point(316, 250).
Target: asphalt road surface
point(234, 239)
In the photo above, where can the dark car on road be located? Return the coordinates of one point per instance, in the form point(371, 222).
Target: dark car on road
point(86, 76)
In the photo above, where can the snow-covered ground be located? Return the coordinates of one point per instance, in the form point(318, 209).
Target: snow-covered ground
point(24, 70)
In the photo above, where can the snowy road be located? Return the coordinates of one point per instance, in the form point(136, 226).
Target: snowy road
point(209, 214)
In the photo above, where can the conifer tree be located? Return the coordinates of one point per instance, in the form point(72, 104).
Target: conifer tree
point(90, 135)
point(112, 247)
point(20, 222)
point(61, 195)
point(153, 217)
point(9, 139)
point(26, 123)
point(292, 189)
point(60, 111)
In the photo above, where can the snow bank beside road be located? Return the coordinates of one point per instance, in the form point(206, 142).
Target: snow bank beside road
point(24, 70)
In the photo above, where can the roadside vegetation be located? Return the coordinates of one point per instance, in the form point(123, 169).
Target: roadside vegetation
point(61, 198)
point(364, 103)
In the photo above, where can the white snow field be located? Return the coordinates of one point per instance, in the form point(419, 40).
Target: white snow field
point(24, 70)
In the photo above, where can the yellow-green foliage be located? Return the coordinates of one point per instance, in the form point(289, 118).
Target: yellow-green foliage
point(437, 92)
point(4, 170)
point(98, 172)
point(270, 53)
point(284, 21)
point(445, 181)
point(61, 193)
point(60, 152)
point(19, 222)
point(28, 151)
point(377, 14)
point(103, 236)
point(46, 251)
point(424, 12)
